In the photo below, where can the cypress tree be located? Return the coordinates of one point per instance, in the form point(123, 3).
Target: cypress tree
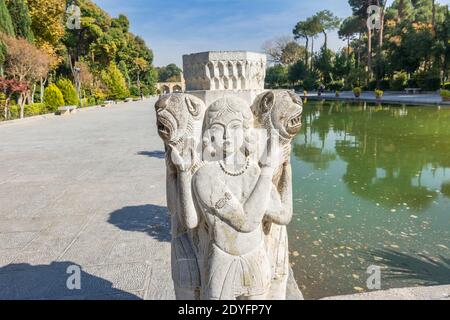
point(21, 20)
point(6, 25)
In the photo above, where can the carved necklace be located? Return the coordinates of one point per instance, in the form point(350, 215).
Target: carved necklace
point(237, 173)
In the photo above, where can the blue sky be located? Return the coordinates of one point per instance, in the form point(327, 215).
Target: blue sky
point(172, 28)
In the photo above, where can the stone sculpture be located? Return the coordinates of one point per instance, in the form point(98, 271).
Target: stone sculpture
point(229, 190)
point(179, 124)
point(279, 112)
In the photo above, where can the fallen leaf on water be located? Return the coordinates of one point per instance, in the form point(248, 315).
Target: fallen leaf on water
point(377, 258)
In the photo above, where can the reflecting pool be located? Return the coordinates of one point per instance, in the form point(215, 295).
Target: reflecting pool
point(371, 187)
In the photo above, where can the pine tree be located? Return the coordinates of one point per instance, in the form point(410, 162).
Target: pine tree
point(6, 27)
point(21, 20)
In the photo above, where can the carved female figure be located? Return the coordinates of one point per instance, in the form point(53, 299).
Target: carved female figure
point(233, 194)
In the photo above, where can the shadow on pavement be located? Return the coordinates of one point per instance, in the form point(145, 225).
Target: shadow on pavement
point(151, 219)
point(49, 282)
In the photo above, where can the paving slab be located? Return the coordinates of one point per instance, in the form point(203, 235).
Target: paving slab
point(84, 190)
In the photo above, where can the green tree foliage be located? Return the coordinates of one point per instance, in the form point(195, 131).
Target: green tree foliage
point(53, 98)
point(21, 20)
point(327, 22)
point(103, 56)
point(414, 40)
point(115, 83)
point(324, 64)
point(68, 91)
point(6, 25)
point(103, 40)
point(47, 22)
point(169, 73)
point(276, 76)
point(297, 72)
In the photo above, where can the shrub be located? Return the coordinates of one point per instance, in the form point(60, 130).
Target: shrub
point(378, 93)
point(428, 81)
point(309, 83)
point(430, 84)
point(14, 111)
point(68, 91)
point(115, 83)
point(35, 109)
point(91, 101)
point(446, 86)
point(147, 91)
point(399, 81)
point(357, 91)
point(336, 85)
point(412, 83)
point(134, 91)
point(53, 98)
point(445, 94)
point(99, 96)
point(372, 85)
point(385, 84)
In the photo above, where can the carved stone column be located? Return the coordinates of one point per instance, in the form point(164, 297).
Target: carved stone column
point(214, 75)
point(229, 180)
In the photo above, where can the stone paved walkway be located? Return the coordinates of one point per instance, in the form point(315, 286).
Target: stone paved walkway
point(88, 190)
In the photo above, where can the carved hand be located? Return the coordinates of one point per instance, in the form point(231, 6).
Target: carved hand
point(183, 160)
point(273, 157)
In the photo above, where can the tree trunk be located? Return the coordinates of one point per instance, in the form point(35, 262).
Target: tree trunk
point(32, 93)
point(6, 108)
point(358, 60)
point(22, 105)
point(380, 43)
point(433, 21)
point(306, 52)
point(369, 51)
point(348, 48)
point(312, 52)
point(325, 44)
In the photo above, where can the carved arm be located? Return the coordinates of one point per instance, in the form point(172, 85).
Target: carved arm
point(283, 215)
point(243, 218)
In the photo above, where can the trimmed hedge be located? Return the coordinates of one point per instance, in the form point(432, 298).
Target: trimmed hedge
point(53, 98)
point(35, 109)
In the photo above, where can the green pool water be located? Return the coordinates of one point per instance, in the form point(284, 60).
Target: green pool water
point(371, 187)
